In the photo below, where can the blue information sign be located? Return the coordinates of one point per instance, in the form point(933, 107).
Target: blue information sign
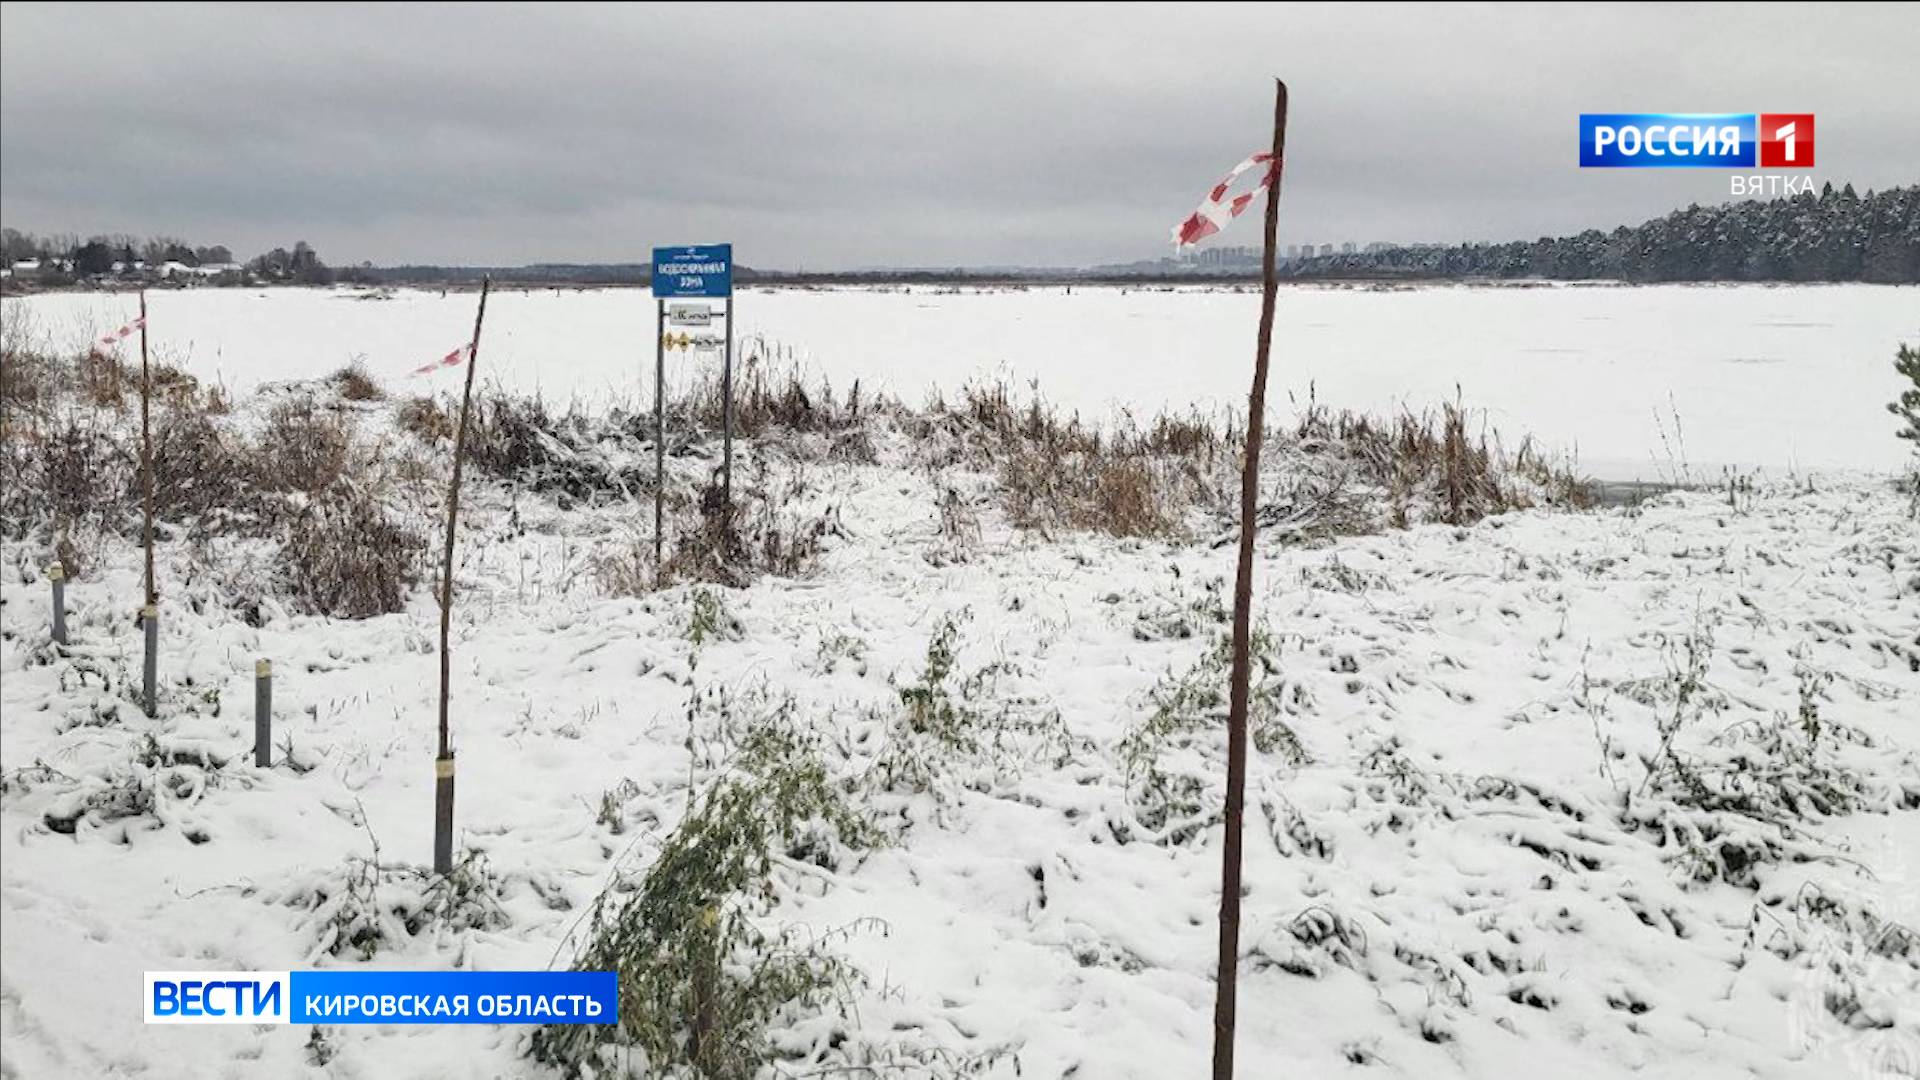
point(699, 270)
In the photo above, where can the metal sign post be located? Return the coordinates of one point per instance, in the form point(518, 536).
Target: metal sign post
point(693, 272)
point(726, 438)
point(659, 429)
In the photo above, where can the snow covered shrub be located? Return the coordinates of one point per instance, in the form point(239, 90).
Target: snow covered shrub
point(1335, 575)
point(1173, 758)
point(1783, 768)
point(105, 382)
point(709, 620)
point(758, 537)
point(840, 648)
point(347, 559)
point(1179, 616)
point(30, 379)
point(1729, 802)
point(612, 814)
point(1317, 940)
point(1907, 406)
point(200, 475)
point(507, 436)
point(705, 544)
point(960, 534)
point(424, 419)
point(570, 458)
point(929, 702)
point(519, 440)
point(703, 983)
point(1856, 968)
point(156, 787)
point(958, 729)
point(73, 476)
point(171, 386)
point(363, 907)
point(625, 569)
point(303, 447)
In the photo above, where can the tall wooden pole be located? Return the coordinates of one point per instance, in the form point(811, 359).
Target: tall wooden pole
point(726, 394)
point(1226, 998)
point(150, 609)
point(443, 763)
point(146, 456)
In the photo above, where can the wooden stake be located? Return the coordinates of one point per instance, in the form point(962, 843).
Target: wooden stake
point(150, 611)
point(726, 410)
point(1225, 998)
point(146, 455)
point(443, 762)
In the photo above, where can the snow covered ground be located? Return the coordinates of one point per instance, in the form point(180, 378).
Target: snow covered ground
point(1632, 379)
point(1631, 792)
point(1624, 793)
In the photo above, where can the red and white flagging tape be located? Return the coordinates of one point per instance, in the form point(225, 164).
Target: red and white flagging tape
point(452, 359)
point(124, 332)
point(1216, 210)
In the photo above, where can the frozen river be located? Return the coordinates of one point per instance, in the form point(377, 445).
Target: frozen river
point(1631, 379)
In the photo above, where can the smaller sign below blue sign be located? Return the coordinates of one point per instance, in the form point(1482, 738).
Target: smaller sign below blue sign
point(702, 270)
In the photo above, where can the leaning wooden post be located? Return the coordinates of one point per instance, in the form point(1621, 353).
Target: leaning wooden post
point(443, 762)
point(1225, 999)
point(150, 611)
point(58, 575)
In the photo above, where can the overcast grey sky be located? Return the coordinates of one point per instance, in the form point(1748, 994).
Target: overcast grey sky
point(828, 137)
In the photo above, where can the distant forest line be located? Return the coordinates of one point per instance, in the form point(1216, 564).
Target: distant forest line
point(1837, 235)
point(1834, 236)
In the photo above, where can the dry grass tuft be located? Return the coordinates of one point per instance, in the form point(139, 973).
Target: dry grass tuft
point(356, 383)
point(347, 559)
point(1433, 468)
point(72, 472)
point(29, 382)
point(200, 472)
point(1056, 471)
point(756, 539)
point(768, 400)
point(304, 447)
point(1100, 491)
point(424, 419)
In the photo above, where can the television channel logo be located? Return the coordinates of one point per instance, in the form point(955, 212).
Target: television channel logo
point(382, 997)
point(1696, 140)
point(218, 997)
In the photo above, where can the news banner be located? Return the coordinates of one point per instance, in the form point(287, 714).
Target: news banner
point(1705, 141)
point(382, 997)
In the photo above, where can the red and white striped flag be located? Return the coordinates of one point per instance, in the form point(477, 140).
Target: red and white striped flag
point(1216, 210)
point(452, 359)
point(124, 332)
